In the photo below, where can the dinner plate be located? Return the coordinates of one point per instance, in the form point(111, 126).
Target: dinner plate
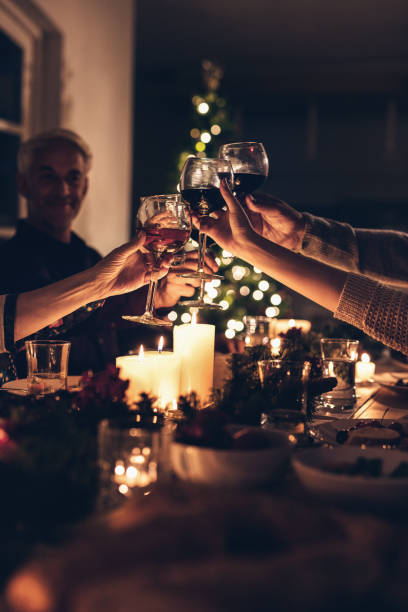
point(388, 380)
point(327, 432)
point(19, 386)
point(312, 467)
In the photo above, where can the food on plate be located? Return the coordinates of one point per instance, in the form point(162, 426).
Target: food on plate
point(374, 436)
point(372, 433)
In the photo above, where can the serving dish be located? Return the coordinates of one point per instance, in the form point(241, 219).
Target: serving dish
point(328, 432)
point(232, 467)
point(389, 380)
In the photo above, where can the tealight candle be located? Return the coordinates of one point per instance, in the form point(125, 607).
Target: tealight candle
point(194, 344)
point(365, 369)
point(275, 346)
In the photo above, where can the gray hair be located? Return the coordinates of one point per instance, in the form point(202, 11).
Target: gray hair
point(29, 148)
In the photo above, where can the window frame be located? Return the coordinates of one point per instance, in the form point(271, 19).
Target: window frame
point(41, 44)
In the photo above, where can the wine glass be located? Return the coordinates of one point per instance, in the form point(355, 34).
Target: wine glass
point(200, 187)
point(249, 163)
point(166, 221)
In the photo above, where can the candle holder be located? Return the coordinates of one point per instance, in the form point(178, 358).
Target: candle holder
point(258, 330)
point(128, 458)
point(286, 383)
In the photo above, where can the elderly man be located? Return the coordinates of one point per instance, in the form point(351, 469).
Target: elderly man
point(53, 177)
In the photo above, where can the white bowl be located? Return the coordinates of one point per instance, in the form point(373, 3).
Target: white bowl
point(311, 468)
point(232, 467)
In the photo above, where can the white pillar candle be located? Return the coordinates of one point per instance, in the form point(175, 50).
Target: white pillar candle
point(165, 373)
point(194, 344)
point(365, 369)
point(153, 372)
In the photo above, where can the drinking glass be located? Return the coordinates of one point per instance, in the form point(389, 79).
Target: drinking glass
point(128, 458)
point(200, 187)
point(166, 221)
point(339, 356)
point(249, 163)
point(47, 365)
point(258, 329)
point(285, 382)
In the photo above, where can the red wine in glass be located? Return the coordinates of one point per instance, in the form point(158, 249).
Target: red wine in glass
point(246, 182)
point(204, 201)
point(250, 165)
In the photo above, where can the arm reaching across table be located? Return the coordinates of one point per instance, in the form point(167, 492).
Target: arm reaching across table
point(123, 270)
point(378, 310)
point(379, 254)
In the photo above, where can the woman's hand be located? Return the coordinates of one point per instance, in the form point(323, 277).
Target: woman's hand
point(127, 268)
point(275, 220)
point(173, 286)
point(231, 228)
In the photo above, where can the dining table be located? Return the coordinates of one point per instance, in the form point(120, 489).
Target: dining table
point(185, 546)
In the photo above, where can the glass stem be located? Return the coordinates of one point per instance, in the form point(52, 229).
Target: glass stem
point(202, 243)
point(150, 297)
point(151, 294)
point(202, 287)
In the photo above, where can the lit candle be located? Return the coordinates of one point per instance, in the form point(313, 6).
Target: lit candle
point(153, 372)
point(365, 369)
point(194, 344)
point(275, 346)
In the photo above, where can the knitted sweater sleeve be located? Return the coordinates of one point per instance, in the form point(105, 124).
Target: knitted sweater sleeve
point(379, 254)
point(380, 311)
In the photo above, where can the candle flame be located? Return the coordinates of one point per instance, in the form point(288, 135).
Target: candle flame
point(194, 317)
point(365, 358)
point(141, 352)
point(161, 343)
point(291, 323)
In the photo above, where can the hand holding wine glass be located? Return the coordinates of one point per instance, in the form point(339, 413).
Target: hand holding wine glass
point(249, 163)
point(200, 187)
point(166, 222)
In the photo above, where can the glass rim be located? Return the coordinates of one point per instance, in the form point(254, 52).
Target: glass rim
point(245, 142)
point(47, 342)
point(259, 317)
point(215, 159)
point(288, 361)
point(338, 340)
point(161, 196)
point(122, 423)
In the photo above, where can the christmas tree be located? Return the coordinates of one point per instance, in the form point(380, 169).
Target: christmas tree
point(244, 290)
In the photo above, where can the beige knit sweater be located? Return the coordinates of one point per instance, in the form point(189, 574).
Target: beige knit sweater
point(369, 256)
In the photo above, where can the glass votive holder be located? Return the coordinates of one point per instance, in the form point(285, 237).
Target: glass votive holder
point(47, 365)
point(128, 458)
point(285, 381)
point(339, 356)
point(258, 330)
